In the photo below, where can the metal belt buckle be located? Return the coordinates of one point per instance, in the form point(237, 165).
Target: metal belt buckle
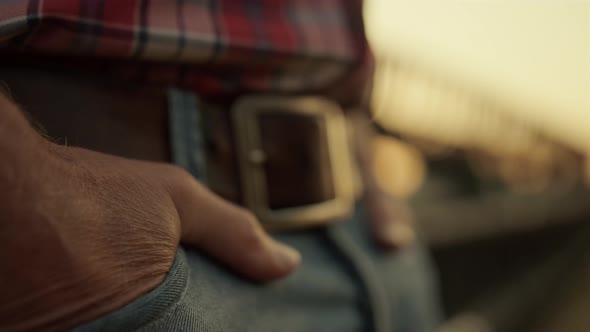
point(251, 158)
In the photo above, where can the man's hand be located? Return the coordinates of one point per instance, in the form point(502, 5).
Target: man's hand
point(83, 233)
point(390, 220)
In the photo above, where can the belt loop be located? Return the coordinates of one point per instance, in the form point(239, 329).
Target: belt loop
point(186, 134)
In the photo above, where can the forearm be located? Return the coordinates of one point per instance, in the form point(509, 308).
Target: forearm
point(44, 283)
point(18, 144)
point(23, 231)
point(17, 147)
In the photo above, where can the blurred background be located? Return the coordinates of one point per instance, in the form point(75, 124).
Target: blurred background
point(484, 111)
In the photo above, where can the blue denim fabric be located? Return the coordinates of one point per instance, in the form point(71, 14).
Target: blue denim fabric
point(343, 284)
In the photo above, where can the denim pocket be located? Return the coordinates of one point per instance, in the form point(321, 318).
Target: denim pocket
point(149, 307)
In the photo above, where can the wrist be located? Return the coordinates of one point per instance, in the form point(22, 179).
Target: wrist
point(50, 275)
point(55, 274)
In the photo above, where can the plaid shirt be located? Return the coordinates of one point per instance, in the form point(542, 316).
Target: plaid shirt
point(211, 46)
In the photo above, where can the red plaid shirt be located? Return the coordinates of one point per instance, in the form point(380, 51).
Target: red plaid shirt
point(211, 46)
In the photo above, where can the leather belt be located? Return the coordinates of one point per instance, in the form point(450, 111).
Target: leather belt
point(287, 158)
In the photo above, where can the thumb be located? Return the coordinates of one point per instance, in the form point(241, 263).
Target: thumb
point(229, 233)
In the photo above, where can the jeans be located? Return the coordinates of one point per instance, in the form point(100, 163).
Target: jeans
point(344, 283)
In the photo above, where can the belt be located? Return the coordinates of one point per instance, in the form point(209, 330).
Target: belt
point(286, 158)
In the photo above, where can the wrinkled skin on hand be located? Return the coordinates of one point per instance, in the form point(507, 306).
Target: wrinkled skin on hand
point(84, 233)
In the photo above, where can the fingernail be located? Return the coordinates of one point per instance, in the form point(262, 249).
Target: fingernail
point(288, 256)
